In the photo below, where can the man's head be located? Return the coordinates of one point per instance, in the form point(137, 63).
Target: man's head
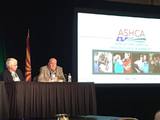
point(127, 55)
point(11, 64)
point(52, 64)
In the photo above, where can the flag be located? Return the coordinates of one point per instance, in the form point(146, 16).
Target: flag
point(28, 59)
point(2, 54)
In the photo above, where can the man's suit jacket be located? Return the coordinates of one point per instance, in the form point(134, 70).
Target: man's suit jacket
point(45, 74)
point(7, 77)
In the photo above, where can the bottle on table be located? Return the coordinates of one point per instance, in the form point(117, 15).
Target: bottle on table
point(69, 77)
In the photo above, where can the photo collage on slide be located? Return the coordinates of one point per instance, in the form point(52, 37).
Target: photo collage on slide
point(125, 62)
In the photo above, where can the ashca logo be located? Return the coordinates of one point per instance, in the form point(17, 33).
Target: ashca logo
point(134, 35)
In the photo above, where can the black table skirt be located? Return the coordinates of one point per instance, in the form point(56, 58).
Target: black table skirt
point(45, 100)
point(4, 103)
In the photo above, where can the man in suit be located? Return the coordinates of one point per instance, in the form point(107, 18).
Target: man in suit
point(12, 74)
point(51, 72)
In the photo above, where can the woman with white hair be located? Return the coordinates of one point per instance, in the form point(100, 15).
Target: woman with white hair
point(12, 74)
point(157, 115)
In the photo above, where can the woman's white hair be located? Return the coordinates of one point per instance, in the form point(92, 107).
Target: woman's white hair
point(157, 115)
point(10, 61)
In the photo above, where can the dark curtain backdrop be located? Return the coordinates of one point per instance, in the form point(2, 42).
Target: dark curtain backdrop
point(50, 25)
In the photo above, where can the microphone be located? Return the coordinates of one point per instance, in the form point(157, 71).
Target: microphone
point(66, 77)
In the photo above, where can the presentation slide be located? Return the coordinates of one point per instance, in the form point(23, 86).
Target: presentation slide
point(116, 49)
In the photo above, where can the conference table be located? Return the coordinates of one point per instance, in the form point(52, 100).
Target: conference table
point(45, 100)
point(4, 106)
